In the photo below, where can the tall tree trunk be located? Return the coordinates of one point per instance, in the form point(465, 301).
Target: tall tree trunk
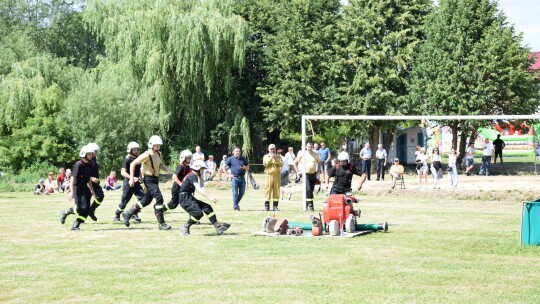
point(273, 137)
point(374, 137)
point(462, 146)
point(454, 127)
point(389, 139)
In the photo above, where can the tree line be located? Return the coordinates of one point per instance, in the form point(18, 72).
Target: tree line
point(225, 73)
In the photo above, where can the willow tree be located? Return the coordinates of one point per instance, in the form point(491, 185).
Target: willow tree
point(182, 53)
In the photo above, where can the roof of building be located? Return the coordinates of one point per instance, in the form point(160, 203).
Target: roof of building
point(536, 64)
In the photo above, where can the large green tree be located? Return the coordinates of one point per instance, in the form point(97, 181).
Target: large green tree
point(472, 62)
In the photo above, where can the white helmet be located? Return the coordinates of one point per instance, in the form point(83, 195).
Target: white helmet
point(85, 150)
point(154, 140)
point(198, 164)
point(343, 156)
point(94, 147)
point(132, 145)
point(184, 154)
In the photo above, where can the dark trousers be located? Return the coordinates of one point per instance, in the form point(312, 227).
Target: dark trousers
point(173, 203)
point(196, 208)
point(100, 195)
point(498, 153)
point(380, 169)
point(152, 191)
point(310, 187)
point(128, 192)
point(82, 201)
point(366, 168)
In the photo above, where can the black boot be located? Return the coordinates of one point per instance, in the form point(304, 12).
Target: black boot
point(267, 206)
point(310, 206)
point(75, 225)
point(116, 218)
point(136, 218)
point(221, 227)
point(127, 214)
point(161, 221)
point(275, 205)
point(185, 229)
point(63, 215)
point(92, 214)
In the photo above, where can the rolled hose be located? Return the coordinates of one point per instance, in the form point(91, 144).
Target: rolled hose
point(373, 227)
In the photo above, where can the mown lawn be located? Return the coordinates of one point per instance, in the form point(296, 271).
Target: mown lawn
point(440, 248)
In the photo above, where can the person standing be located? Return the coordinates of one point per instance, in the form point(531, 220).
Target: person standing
point(452, 167)
point(272, 167)
point(178, 176)
point(284, 176)
point(499, 146)
point(487, 154)
point(325, 155)
point(290, 160)
point(436, 167)
point(469, 158)
point(381, 157)
point(196, 207)
point(310, 170)
point(135, 175)
point(151, 165)
point(81, 189)
point(198, 155)
point(422, 167)
point(99, 195)
point(365, 155)
point(238, 166)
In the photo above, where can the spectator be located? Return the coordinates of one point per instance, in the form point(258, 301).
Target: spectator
point(487, 154)
point(67, 181)
point(396, 172)
point(325, 156)
point(198, 155)
point(422, 167)
point(452, 167)
point(469, 158)
point(210, 171)
point(39, 189)
point(290, 160)
point(111, 182)
point(284, 176)
point(436, 167)
point(365, 155)
point(381, 157)
point(60, 179)
point(238, 166)
point(223, 168)
point(499, 146)
point(51, 186)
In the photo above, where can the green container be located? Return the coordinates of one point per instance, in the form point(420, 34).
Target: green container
point(530, 223)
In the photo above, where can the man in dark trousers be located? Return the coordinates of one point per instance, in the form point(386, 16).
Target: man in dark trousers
point(499, 146)
point(238, 165)
point(127, 191)
point(81, 189)
point(178, 176)
point(196, 207)
point(343, 174)
point(99, 195)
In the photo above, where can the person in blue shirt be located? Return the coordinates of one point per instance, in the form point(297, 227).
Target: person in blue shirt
point(238, 166)
point(325, 157)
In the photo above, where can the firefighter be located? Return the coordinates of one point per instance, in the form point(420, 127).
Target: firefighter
point(312, 161)
point(195, 207)
point(151, 165)
point(343, 174)
point(99, 195)
point(127, 191)
point(178, 176)
point(81, 188)
point(272, 166)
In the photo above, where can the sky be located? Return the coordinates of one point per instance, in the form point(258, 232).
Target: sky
point(525, 16)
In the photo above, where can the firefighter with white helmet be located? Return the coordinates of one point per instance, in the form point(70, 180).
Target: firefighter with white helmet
point(196, 207)
point(127, 190)
point(99, 195)
point(343, 173)
point(81, 189)
point(151, 165)
point(178, 176)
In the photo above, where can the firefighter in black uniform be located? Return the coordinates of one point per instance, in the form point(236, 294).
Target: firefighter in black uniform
point(99, 195)
point(343, 174)
point(195, 207)
point(151, 165)
point(81, 189)
point(178, 176)
point(127, 191)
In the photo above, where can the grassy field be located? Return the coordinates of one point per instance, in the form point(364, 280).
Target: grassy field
point(443, 246)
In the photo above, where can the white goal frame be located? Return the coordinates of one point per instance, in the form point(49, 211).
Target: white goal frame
point(404, 117)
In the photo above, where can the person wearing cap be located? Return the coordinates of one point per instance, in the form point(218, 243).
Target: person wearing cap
point(127, 190)
point(396, 172)
point(238, 166)
point(196, 208)
point(82, 189)
point(343, 173)
point(39, 189)
point(272, 167)
point(151, 164)
point(312, 160)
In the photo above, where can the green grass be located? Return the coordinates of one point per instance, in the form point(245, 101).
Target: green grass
point(441, 248)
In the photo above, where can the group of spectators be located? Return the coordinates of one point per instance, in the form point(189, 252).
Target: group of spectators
point(53, 185)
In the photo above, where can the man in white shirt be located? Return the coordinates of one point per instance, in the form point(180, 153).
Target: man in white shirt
point(487, 154)
point(365, 155)
point(198, 155)
point(210, 171)
point(381, 157)
point(470, 158)
point(290, 160)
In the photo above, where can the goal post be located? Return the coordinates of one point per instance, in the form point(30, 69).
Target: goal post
point(412, 117)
